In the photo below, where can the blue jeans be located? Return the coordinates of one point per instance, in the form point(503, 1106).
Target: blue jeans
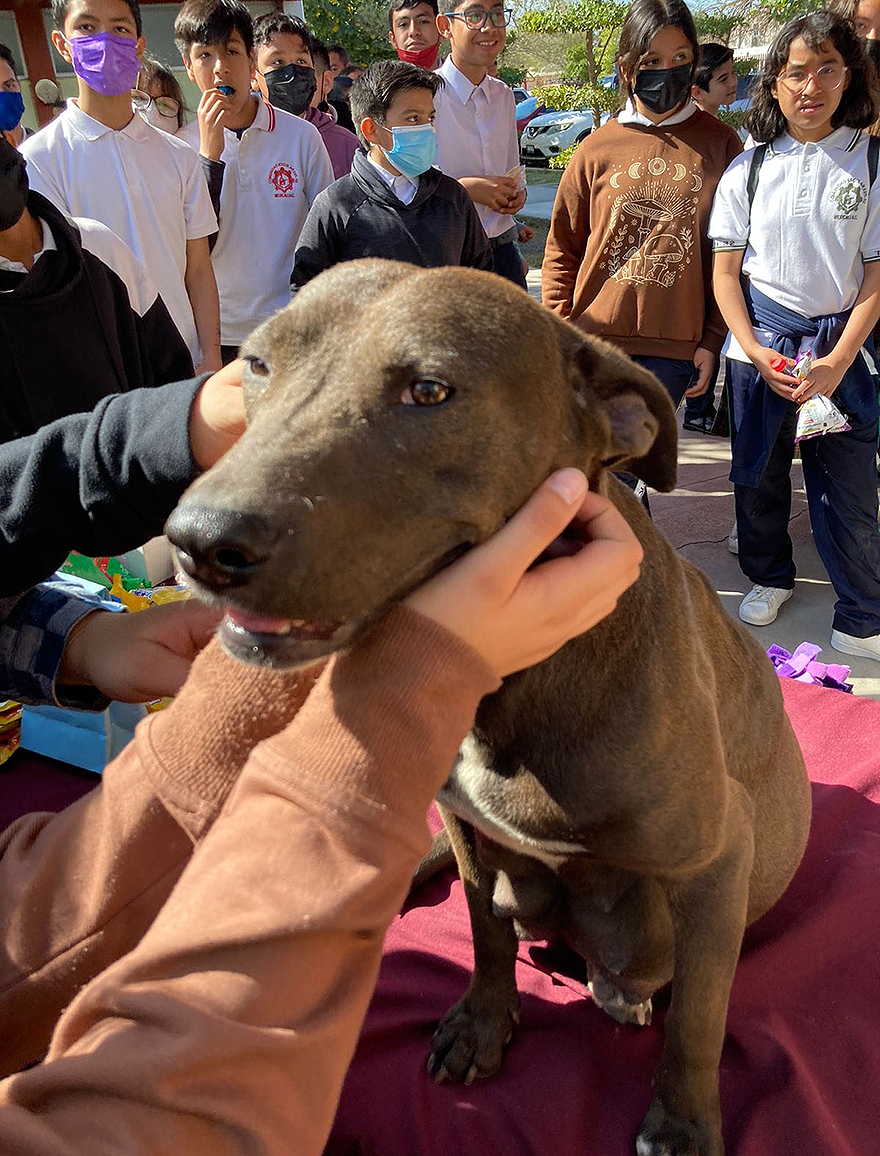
point(506, 262)
point(677, 375)
point(704, 405)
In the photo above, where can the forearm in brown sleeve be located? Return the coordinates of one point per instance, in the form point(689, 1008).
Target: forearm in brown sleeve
point(79, 889)
point(231, 1025)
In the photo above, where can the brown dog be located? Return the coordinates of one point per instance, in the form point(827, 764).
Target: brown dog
point(640, 793)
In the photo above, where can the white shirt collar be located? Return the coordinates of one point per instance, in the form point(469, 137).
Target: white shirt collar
point(844, 138)
point(456, 80)
point(403, 187)
point(266, 114)
point(629, 115)
point(91, 129)
point(48, 247)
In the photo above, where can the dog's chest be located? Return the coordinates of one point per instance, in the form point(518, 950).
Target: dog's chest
point(516, 813)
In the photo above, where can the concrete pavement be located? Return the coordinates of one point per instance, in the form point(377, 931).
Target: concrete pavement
point(697, 517)
point(540, 199)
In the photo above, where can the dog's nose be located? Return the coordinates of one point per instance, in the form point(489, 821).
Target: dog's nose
point(220, 548)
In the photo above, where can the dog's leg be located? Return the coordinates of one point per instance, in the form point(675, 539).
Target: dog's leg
point(709, 916)
point(470, 1039)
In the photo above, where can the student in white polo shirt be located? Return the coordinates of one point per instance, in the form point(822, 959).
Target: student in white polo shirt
point(476, 124)
point(799, 217)
point(265, 165)
point(100, 160)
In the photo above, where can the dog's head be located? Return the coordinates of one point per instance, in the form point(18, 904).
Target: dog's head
point(396, 417)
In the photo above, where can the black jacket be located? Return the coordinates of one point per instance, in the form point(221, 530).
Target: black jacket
point(359, 216)
point(101, 482)
point(74, 330)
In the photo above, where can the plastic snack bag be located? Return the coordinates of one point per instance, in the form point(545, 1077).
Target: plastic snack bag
point(819, 415)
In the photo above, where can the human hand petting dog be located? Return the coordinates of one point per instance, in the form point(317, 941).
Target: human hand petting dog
point(514, 616)
point(217, 418)
point(137, 657)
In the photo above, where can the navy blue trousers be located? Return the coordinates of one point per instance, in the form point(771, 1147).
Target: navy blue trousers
point(840, 475)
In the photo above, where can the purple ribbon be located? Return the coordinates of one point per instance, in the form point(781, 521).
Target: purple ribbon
point(802, 667)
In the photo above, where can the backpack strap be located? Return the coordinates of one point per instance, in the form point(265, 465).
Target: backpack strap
point(755, 171)
point(873, 157)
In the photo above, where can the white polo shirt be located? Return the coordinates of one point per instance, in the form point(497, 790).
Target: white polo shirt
point(814, 222)
point(272, 176)
point(476, 134)
point(147, 186)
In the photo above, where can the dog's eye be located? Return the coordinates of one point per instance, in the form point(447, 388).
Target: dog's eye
point(427, 392)
point(257, 367)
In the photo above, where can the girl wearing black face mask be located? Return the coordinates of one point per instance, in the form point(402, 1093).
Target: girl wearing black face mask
point(627, 257)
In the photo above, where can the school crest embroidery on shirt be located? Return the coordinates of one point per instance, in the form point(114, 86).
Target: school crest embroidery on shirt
point(651, 230)
point(848, 196)
point(284, 179)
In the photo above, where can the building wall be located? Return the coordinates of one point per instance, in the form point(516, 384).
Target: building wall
point(26, 27)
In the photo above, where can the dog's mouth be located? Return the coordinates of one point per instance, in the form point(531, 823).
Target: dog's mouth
point(267, 641)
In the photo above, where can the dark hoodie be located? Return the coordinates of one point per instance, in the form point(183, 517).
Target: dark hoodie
point(80, 326)
point(359, 216)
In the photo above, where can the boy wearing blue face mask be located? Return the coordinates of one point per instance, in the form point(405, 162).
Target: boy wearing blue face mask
point(99, 159)
point(393, 203)
point(11, 101)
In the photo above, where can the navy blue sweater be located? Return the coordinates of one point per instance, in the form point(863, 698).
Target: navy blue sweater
point(359, 216)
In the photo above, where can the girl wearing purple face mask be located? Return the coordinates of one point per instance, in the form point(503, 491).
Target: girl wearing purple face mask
point(628, 257)
point(99, 159)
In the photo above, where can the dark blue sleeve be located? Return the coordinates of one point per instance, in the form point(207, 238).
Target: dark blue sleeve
point(101, 483)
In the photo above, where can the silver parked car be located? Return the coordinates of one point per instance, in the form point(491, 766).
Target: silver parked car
point(553, 132)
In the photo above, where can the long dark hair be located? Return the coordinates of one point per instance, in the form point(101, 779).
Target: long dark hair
point(644, 19)
point(858, 104)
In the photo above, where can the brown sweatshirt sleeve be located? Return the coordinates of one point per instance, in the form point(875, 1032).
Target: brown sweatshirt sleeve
point(715, 327)
point(567, 238)
point(229, 1028)
point(79, 889)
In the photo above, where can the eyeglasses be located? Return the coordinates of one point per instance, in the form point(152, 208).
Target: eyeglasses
point(166, 105)
point(828, 77)
point(479, 17)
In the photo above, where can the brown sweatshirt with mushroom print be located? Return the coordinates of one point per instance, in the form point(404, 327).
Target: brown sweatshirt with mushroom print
point(627, 256)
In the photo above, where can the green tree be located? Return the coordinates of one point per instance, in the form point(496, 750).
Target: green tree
point(361, 26)
point(598, 23)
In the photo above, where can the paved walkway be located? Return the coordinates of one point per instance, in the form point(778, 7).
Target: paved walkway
point(697, 517)
point(540, 200)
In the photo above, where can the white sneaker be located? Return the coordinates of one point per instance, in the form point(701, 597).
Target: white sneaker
point(733, 540)
point(860, 647)
point(761, 605)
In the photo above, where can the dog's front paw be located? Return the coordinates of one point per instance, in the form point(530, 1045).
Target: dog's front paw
point(470, 1039)
point(663, 1134)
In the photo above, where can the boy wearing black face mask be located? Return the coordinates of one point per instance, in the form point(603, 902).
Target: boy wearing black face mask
point(72, 294)
point(266, 165)
point(628, 256)
point(293, 73)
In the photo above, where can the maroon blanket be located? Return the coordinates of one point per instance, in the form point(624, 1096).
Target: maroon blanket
point(801, 1066)
point(800, 1071)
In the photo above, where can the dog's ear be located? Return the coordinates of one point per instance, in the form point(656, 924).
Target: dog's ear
point(642, 431)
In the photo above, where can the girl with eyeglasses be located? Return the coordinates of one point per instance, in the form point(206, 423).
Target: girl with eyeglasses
point(627, 256)
point(796, 231)
point(158, 97)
